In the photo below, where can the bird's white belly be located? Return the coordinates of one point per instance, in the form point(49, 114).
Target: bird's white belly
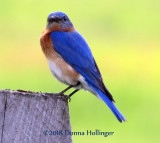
point(59, 74)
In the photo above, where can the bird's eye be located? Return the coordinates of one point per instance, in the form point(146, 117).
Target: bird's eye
point(64, 18)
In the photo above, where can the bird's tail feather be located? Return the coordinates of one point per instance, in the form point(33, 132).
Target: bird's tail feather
point(111, 105)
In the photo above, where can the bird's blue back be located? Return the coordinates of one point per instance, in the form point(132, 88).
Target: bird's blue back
point(76, 52)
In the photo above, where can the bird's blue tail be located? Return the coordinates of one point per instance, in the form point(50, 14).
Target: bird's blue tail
point(111, 105)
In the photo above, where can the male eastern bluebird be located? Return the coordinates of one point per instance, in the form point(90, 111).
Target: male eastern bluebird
point(71, 61)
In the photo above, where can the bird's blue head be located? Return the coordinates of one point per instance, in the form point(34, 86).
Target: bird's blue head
point(59, 21)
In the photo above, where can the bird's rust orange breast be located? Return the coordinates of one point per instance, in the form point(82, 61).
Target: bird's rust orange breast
point(46, 44)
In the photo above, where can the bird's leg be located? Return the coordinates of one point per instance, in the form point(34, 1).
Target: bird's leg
point(62, 92)
point(69, 96)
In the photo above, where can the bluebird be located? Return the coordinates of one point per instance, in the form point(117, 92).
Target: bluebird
point(71, 61)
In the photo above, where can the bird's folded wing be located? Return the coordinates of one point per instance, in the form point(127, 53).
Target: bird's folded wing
point(72, 47)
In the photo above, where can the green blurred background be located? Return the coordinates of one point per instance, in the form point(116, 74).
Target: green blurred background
point(124, 37)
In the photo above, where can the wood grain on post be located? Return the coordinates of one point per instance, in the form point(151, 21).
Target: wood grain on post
point(29, 117)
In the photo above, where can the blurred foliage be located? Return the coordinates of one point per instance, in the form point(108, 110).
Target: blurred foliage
point(124, 37)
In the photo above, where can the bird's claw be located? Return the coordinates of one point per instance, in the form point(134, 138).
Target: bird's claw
point(69, 98)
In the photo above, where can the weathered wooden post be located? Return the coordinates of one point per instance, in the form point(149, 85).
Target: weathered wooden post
point(29, 117)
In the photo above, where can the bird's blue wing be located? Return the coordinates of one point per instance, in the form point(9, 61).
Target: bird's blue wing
point(72, 47)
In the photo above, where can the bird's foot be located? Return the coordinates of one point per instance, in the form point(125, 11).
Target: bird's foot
point(69, 98)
